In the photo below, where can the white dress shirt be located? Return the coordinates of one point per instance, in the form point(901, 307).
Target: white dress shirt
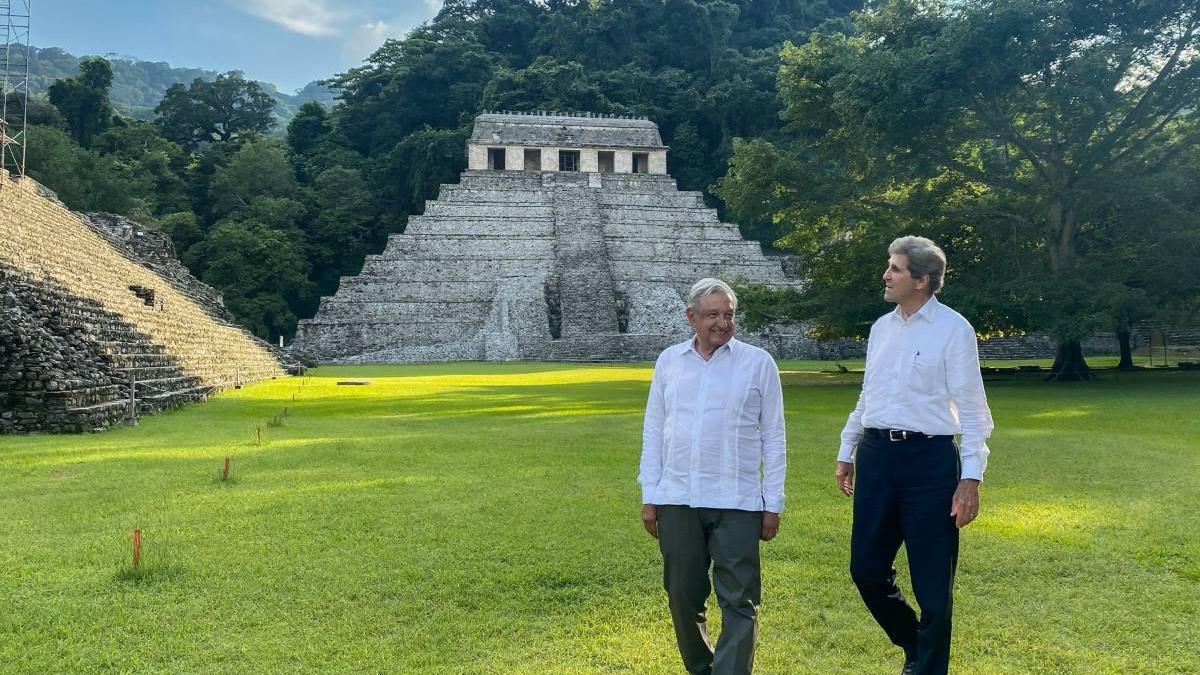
point(713, 435)
point(923, 375)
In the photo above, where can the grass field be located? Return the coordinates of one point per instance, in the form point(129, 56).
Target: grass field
point(482, 518)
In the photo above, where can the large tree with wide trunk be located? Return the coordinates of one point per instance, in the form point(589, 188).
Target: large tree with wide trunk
point(1031, 137)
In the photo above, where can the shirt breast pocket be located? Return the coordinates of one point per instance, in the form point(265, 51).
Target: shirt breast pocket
point(924, 375)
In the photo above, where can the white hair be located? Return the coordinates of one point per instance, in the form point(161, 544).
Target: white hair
point(707, 286)
point(925, 258)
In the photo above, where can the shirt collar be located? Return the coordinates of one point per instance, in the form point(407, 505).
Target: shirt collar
point(927, 312)
point(689, 346)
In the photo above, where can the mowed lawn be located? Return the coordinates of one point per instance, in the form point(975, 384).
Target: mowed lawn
point(483, 518)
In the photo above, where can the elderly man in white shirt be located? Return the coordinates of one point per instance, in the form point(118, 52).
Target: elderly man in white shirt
point(712, 471)
point(910, 483)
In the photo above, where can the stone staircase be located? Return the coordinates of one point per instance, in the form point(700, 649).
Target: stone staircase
point(44, 240)
point(70, 364)
point(585, 282)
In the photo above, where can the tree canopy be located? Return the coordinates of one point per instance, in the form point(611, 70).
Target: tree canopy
point(83, 100)
point(217, 110)
point(1039, 141)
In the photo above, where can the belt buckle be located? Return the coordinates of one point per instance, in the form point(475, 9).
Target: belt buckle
point(897, 435)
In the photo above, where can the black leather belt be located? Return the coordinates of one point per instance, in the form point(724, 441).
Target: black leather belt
point(900, 435)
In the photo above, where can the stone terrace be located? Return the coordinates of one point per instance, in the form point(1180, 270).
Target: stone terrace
point(69, 364)
point(114, 315)
point(548, 265)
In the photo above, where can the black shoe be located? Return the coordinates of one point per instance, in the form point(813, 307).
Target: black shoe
point(909, 668)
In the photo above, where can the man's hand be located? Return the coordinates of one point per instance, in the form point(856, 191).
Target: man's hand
point(770, 526)
point(845, 477)
point(964, 507)
point(650, 519)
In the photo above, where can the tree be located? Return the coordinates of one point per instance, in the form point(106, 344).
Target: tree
point(259, 169)
point(343, 231)
point(155, 166)
point(260, 270)
point(404, 178)
point(37, 111)
point(432, 78)
point(184, 230)
point(1004, 130)
point(545, 84)
point(314, 144)
point(221, 110)
point(84, 180)
point(83, 100)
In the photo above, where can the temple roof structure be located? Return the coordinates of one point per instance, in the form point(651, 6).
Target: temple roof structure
point(565, 131)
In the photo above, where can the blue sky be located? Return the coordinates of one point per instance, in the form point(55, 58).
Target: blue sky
point(286, 42)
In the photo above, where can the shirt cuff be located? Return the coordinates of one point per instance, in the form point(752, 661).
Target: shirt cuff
point(846, 453)
point(773, 505)
point(972, 468)
point(647, 494)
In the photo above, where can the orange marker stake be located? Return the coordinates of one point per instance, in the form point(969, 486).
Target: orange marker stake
point(137, 549)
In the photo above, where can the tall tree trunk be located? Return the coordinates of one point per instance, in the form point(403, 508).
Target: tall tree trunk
point(1125, 342)
point(1069, 365)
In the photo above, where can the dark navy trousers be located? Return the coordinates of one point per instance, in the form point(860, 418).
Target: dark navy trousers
point(902, 494)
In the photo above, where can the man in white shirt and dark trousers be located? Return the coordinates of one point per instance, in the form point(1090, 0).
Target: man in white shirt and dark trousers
point(712, 471)
point(910, 483)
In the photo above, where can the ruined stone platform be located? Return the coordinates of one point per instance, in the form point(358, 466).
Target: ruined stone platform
point(551, 265)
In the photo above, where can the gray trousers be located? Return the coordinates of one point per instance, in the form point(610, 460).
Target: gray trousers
point(692, 540)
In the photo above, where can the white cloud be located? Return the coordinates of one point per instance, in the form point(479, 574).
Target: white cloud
point(434, 5)
point(365, 39)
point(307, 17)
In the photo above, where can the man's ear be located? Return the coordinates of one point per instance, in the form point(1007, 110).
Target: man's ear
point(922, 281)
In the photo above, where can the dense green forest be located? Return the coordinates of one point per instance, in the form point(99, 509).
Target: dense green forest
point(138, 85)
point(274, 223)
point(1051, 146)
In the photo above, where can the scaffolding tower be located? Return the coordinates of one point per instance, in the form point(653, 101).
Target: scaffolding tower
point(14, 84)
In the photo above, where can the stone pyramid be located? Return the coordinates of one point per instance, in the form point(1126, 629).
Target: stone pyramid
point(586, 252)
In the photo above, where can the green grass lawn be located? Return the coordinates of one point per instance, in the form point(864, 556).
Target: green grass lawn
point(483, 518)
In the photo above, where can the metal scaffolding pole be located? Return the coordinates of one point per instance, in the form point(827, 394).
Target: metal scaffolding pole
point(14, 84)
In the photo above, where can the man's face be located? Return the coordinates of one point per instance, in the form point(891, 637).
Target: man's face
point(714, 322)
point(899, 286)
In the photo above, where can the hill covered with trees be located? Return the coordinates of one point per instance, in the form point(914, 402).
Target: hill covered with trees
point(139, 85)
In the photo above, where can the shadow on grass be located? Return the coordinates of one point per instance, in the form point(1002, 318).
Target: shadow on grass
point(148, 574)
point(584, 398)
point(459, 368)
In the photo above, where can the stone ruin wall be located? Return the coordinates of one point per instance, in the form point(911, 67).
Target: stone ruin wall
point(155, 251)
point(77, 295)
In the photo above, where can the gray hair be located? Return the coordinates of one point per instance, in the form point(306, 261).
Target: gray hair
point(924, 259)
point(707, 286)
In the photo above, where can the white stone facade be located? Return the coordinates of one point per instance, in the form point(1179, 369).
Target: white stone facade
point(515, 134)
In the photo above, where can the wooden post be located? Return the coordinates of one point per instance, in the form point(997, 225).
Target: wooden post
point(225, 472)
point(137, 549)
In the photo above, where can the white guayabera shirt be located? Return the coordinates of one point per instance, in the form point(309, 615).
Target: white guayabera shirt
point(713, 435)
point(923, 375)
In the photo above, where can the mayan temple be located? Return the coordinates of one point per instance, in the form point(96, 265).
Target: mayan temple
point(564, 239)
